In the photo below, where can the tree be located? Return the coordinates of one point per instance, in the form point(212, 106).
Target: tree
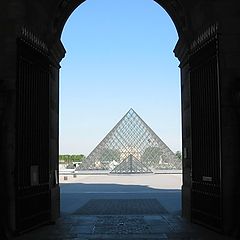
point(179, 154)
point(66, 158)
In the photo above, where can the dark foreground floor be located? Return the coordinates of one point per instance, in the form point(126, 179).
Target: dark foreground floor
point(125, 210)
point(164, 226)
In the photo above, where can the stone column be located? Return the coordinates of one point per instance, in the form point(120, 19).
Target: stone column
point(57, 52)
point(12, 12)
point(181, 52)
point(229, 70)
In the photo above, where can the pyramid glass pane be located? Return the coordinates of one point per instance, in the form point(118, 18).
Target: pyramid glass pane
point(131, 165)
point(131, 140)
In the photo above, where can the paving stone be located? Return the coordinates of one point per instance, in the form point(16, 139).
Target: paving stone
point(121, 207)
point(120, 227)
point(82, 229)
point(163, 228)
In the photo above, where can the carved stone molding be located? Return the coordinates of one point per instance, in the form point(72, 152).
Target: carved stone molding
point(31, 38)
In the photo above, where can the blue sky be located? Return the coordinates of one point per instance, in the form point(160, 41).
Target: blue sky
point(119, 56)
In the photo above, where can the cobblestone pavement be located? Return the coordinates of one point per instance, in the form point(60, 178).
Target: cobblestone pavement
point(154, 227)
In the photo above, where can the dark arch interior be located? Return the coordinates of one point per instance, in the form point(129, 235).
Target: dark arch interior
point(31, 52)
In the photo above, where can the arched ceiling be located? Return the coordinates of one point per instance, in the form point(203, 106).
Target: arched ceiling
point(65, 8)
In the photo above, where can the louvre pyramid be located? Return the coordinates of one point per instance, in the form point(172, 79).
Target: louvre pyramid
point(131, 140)
point(131, 165)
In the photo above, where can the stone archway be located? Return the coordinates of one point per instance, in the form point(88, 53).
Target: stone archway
point(180, 18)
point(32, 32)
point(174, 8)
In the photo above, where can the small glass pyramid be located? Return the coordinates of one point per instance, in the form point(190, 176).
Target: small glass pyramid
point(131, 147)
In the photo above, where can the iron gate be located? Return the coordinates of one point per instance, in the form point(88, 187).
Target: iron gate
point(206, 138)
point(32, 142)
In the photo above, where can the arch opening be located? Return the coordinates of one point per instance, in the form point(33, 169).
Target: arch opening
point(174, 9)
point(125, 89)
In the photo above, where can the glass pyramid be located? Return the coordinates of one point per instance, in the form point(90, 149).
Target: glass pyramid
point(131, 165)
point(131, 147)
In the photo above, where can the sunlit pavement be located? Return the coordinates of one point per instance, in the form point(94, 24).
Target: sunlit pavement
point(121, 207)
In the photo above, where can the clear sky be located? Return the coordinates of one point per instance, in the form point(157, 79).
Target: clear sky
point(119, 56)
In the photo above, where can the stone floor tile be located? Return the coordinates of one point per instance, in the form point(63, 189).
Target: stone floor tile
point(119, 227)
point(82, 229)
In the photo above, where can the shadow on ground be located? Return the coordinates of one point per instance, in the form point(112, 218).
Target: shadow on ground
point(75, 195)
point(117, 211)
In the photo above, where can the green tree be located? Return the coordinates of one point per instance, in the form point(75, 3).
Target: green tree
point(109, 155)
point(68, 159)
point(179, 154)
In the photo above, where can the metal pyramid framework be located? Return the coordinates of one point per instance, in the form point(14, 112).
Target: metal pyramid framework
point(131, 165)
point(131, 147)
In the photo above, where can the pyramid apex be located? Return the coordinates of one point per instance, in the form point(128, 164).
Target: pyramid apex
point(131, 110)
